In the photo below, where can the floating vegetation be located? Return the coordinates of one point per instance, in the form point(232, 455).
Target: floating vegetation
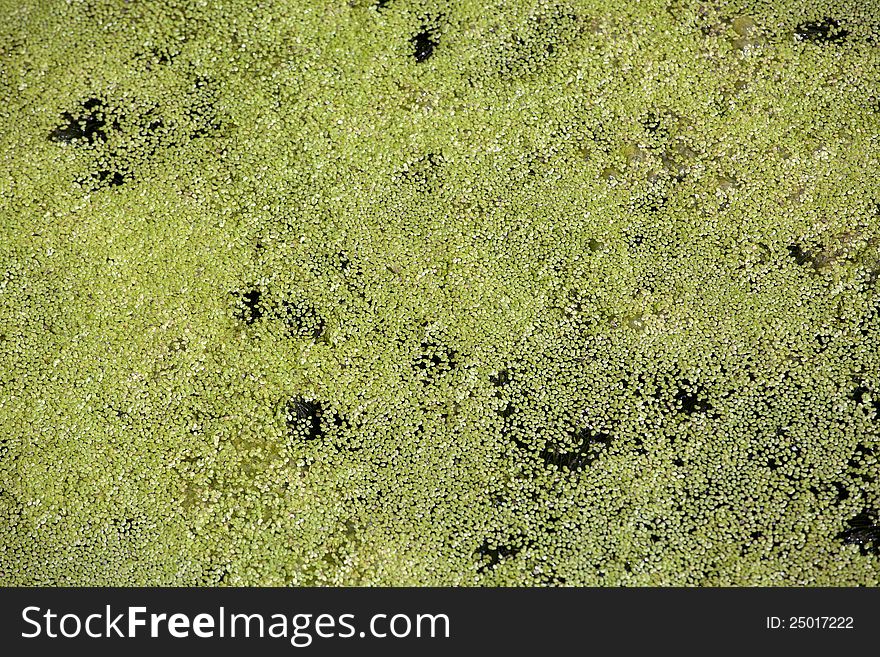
point(394, 292)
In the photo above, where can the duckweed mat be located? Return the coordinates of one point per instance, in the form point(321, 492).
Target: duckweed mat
point(428, 292)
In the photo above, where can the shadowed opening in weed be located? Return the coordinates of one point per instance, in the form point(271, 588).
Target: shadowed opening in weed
point(86, 125)
point(862, 530)
point(827, 30)
point(301, 319)
point(249, 307)
point(490, 555)
point(303, 418)
point(435, 358)
point(689, 399)
point(589, 445)
point(424, 43)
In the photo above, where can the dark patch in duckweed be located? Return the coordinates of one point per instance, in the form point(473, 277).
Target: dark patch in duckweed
point(860, 454)
point(690, 399)
point(435, 358)
point(589, 445)
point(823, 341)
point(424, 43)
point(127, 526)
point(825, 31)
point(301, 319)
point(635, 241)
point(87, 125)
point(651, 122)
point(507, 410)
point(335, 420)
point(153, 128)
point(103, 179)
point(801, 256)
point(303, 418)
point(490, 555)
point(513, 429)
point(339, 428)
point(164, 55)
point(861, 465)
point(865, 397)
point(343, 262)
point(135, 139)
point(423, 172)
point(501, 379)
point(250, 308)
point(111, 178)
point(862, 530)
